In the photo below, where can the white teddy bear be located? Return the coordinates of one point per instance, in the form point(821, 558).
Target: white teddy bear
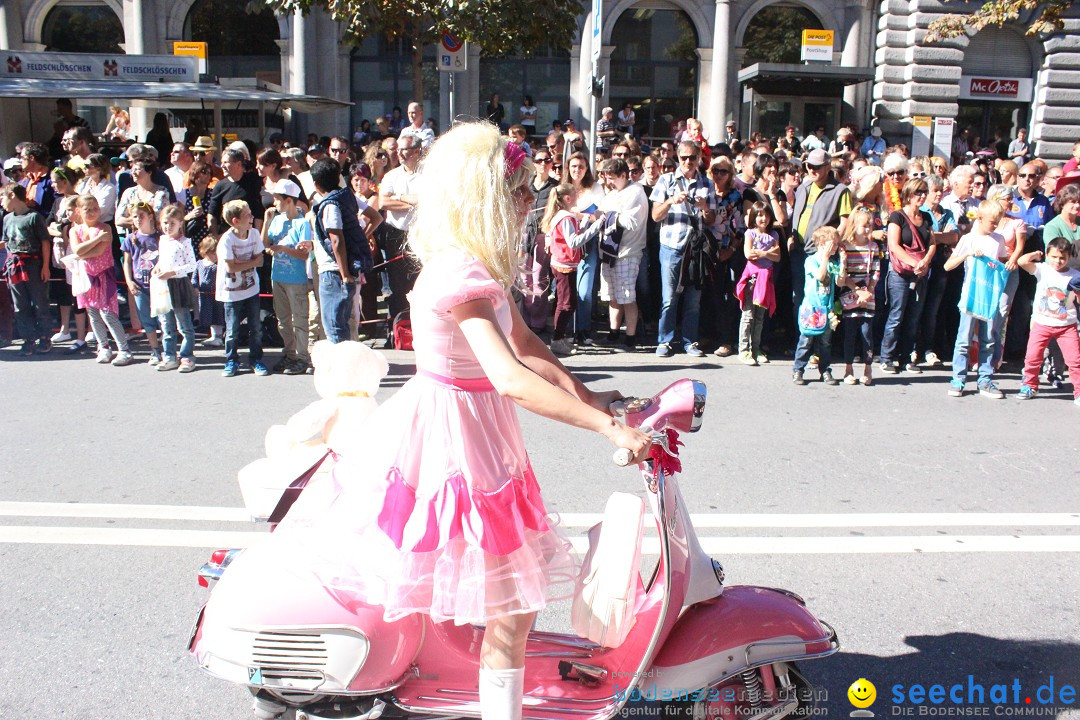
point(347, 376)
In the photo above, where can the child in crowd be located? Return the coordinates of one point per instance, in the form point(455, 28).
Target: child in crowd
point(981, 241)
point(1053, 315)
point(28, 244)
point(62, 216)
point(287, 237)
point(815, 313)
point(560, 223)
point(755, 290)
point(204, 280)
point(859, 275)
point(240, 251)
point(91, 241)
point(176, 262)
point(140, 248)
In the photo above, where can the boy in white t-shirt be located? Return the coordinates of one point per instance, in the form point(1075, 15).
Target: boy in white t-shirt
point(240, 252)
point(1053, 314)
point(982, 241)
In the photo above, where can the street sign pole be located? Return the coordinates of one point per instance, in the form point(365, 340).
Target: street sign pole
point(598, 25)
point(452, 60)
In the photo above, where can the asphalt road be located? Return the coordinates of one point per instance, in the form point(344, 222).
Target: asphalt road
point(938, 535)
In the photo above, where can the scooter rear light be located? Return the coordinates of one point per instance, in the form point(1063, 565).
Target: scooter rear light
point(211, 571)
point(218, 556)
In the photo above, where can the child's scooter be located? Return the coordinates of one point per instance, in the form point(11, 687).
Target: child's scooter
point(680, 643)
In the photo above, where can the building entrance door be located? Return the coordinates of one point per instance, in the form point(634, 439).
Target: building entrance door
point(770, 114)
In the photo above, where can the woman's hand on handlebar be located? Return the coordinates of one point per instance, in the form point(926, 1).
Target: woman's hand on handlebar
point(602, 400)
point(632, 439)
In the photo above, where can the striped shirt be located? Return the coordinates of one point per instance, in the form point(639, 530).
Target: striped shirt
point(675, 228)
point(863, 269)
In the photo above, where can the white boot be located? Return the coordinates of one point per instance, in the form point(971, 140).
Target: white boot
point(500, 693)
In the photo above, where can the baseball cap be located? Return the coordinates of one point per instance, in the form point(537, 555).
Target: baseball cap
point(312, 150)
point(817, 157)
point(569, 121)
point(12, 164)
point(286, 187)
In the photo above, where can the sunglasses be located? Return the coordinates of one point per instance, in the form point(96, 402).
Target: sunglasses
point(544, 160)
point(720, 171)
point(636, 171)
point(684, 158)
point(917, 175)
point(896, 173)
point(338, 150)
point(1028, 175)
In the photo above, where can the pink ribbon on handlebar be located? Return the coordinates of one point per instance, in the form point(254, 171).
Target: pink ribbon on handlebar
point(664, 460)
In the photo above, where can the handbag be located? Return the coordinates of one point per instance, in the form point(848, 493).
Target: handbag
point(917, 251)
point(80, 279)
point(160, 299)
point(849, 300)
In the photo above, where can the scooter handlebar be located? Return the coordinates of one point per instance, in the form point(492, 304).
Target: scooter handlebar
point(622, 457)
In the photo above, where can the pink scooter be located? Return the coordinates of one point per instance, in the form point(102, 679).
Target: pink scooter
point(687, 646)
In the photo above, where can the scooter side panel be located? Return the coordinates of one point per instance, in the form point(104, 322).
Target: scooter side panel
point(746, 624)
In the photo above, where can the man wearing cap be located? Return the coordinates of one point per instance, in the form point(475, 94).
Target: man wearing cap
point(819, 201)
point(605, 129)
point(397, 200)
point(286, 234)
point(203, 149)
point(572, 138)
point(731, 135)
point(873, 147)
point(181, 158)
point(416, 127)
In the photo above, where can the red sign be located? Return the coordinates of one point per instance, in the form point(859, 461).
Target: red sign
point(995, 86)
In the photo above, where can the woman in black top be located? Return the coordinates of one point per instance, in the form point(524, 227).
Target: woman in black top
point(911, 249)
point(496, 112)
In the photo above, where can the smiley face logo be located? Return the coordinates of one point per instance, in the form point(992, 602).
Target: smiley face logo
point(862, 693)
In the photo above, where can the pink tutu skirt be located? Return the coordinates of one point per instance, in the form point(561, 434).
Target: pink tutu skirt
point(434, 510)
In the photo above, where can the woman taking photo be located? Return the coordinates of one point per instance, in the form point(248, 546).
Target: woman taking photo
point(911, 240)
point(727, 228)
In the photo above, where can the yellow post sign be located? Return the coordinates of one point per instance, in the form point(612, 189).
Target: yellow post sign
point(192, 49)
point(817, 45)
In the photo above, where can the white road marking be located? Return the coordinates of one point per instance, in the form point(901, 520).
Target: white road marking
point(581, 520)
point(720, 546)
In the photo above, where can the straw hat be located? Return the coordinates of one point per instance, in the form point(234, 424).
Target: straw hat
point(202, 144)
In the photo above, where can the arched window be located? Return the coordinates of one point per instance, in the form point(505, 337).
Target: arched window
point(92, 28)
point(775, 34)
point(998, 52)
point(654, 67)
point(240, 38)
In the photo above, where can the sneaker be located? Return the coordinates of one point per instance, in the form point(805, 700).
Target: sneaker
point(214, 342)
point(155, 358)
point(27, 348)
point(260, 369)
point(798, 378)
point(913, 369)
point(123, 358)
point(850, 380)
point(991, 391)
point(230, 369)
point(90, 337)
point(762, 359)
point(931, 359)
point(282, 365)
point(1026, 393)
point(1076, 401)
point(888, 368)
point(956, 388)
point(297, 367)
point(44, 346)
point(1054, 381)
point(629, 343)
point(104, 356)
point(694, 351)
point(664, 350)
point(812, 364)
point(166, 365)
point(747, 358)
point(76, 348)
point(584, 340)
point(828, 379)
point(61, 337)
point(723, 351)
point(562, 347)
point(186, 365)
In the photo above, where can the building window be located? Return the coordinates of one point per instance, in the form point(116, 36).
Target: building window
point(240, 39)
point(382, 79)
point(91, 28)
point(543, 75)
point(654, 67)
point(775, 34)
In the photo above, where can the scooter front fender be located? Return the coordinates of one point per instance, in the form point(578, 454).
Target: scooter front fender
point(744, 627)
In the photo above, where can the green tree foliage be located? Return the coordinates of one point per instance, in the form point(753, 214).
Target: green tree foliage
point(999, 12)
point(82, 28)
point(497, 26)
point(775, 34)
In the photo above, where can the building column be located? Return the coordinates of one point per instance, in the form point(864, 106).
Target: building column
point(138, 20)
point(576, 63)
point(857, 18)
point(11, 20)
point(720, 102)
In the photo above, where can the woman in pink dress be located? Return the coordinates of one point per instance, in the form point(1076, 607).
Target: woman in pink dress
point(436, 509)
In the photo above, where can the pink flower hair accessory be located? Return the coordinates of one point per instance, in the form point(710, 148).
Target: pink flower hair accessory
point(514, 157)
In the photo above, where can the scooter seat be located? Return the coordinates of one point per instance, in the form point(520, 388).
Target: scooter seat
point(610, 582)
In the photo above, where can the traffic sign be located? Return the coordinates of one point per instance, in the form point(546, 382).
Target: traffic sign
point(452, 54)
point(597, 28)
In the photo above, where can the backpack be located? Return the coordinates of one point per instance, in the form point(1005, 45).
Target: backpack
point(610, 238)
point(402, 331)
point(357, 250)
point(701, 257)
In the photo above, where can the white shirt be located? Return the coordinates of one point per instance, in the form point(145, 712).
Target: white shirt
point(1052, 307)
point(236, 286)
point(424, 134)
point(400, 182)
point(176, 255)
point(992, 247)
point(177, 177)
point(331, 220)
point(632, 207)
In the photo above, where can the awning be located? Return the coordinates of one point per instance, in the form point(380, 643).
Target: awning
point(171, 94)
point(810, 73)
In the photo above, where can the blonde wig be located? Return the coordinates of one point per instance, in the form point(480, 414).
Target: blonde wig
point(467, 202)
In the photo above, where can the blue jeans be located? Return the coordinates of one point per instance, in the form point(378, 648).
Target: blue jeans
point(820, 345)
point(142, 306)
point(905, 309)
point(586, 280)
point(235, 312)
point(670, 269)
point(335, 301)
point(982, 330)
point(1002, 317)
point(169, 324)
point(797, 261)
